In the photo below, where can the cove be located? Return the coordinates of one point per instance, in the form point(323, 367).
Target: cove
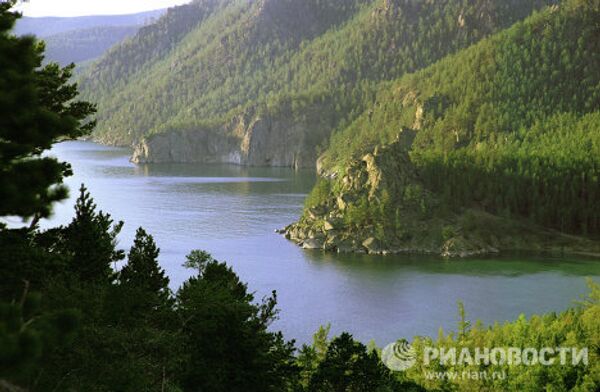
point(232, 212)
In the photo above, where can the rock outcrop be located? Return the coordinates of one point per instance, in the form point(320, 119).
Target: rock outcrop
point(380, 206)
point(250, 139)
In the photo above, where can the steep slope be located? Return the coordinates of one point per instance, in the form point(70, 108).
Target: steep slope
point(238, 38)
point(266, 82)
point(496, 147)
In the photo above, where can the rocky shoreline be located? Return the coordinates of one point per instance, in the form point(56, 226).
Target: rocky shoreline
point(327, 232)
point(541, 242)
point(352, 212)
point(371, 246)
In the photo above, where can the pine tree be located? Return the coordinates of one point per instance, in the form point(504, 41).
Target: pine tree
point(228, 343)
point(142, 276)
point(91, 240)
point(348, 366)
point(37, 109)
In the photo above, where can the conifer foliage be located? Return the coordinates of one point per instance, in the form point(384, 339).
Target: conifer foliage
point(71, 320)
point(37, 109)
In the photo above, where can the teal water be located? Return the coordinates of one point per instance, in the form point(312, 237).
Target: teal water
point(232, 212)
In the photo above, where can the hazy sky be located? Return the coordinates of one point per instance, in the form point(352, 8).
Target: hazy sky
point(92, 7)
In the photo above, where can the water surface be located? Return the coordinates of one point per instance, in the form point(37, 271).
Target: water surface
point(232, 212)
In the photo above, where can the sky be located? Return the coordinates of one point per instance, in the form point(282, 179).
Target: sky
point(92, 7)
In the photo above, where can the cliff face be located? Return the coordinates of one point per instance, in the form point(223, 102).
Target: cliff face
point(250, 139)
point(181, 146)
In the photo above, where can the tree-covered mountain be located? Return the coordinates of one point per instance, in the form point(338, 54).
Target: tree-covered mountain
point(82, 39)
point(198, 58)
point(51, 25)
point(266, 82)
point(71, 320)
point(83, 45)
point(495, 147)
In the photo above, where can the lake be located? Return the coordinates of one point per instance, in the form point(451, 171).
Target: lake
point(232, 212)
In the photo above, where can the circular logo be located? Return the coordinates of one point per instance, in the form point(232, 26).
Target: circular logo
point(399, 356)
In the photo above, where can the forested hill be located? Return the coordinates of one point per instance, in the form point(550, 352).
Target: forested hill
point(478, 152)
point(196, 60)
point(266, 82)
point(79, 46)
point(51, 25)
point(80, 39)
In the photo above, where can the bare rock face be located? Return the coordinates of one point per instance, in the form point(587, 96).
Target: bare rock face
point(250, 139)
point(276, 142)
point(200, 146)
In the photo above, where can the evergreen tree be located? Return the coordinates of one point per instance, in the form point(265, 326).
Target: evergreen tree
point(37, 109)
point(142, 271)
point(90, 240)
point(143, 287)
point(227, 342)
point(348, 367)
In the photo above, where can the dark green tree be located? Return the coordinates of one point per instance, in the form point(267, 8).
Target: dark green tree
point(37, 109)
point(27, 332)
point(143, 294)
point(142, 271)
point(129, 337)
point(348, 367)
point(90, 241)
point(227, 342)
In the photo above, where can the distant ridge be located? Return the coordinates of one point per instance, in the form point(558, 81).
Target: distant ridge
point(50, 25)
point(82, 39)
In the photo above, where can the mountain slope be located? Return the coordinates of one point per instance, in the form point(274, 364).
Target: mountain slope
point(266, 82)
point(235, 40)
point(82, 39)
point(496, 147)
point(47, 26)
point(82, 45)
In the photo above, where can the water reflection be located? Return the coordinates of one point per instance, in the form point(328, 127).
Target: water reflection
point(508, 264)
point(232, 211)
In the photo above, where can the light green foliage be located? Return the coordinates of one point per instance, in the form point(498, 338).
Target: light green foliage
point(577, 327)
point(320, 192)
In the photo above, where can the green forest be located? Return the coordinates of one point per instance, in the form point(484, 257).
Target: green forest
point(506, 129)
point(184, 73)
point(486, 87)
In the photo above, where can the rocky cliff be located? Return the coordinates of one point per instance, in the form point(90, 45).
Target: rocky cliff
point(251, 139)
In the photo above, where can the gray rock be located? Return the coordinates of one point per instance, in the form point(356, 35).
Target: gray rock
point(248, 139)
point(312, 243)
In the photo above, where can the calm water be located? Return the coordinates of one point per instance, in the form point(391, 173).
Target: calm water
point(232, 211)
